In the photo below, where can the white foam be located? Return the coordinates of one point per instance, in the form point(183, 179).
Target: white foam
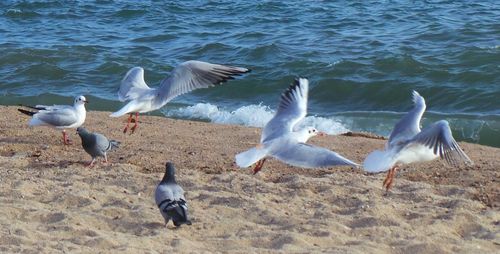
point(252, 115)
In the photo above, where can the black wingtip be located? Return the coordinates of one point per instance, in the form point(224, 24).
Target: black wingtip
point(26, 112)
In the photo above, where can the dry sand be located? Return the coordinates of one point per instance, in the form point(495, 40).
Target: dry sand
point(51, 202)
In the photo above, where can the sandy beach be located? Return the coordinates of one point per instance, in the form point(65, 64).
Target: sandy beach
point(52, 203)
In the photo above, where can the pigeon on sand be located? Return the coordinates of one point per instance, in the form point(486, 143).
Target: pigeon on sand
point(186, 77)
point(96, 145)
point(281, 140)
point(59, 116)
point(408, 144)
point(169, 197)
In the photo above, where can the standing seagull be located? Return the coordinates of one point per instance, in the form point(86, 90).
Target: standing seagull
point(59, 116)
point(408, 144)
point(186, 77)
point(281, 141)
point(96, 144)
point(169, 197)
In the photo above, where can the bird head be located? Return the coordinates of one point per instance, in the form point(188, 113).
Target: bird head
point(79, 100)
point(169, 173)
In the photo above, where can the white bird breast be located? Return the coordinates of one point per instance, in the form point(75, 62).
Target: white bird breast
point(416, 153)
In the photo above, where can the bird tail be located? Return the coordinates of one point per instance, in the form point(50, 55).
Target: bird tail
point(177, 210)
point(26, 112)
point(379, 161)
point(249, 157)
point(113, 144)
point(128, 108)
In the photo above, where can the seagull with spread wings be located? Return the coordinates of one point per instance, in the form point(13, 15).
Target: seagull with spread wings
point(186, 77)
point(281, 140)
point(407, 144)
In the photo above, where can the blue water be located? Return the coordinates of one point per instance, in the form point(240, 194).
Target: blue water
point(362, 58)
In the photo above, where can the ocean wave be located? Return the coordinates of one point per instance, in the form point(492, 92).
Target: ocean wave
point(251, 115)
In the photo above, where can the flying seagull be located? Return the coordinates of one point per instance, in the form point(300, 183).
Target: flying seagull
point(186, 77)
point(407, 144)
point(58, 116)
point(280, 140)
point(169, 197)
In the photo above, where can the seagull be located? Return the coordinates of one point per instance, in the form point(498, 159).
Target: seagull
point(169, 197)
point(96, 144)
point(407, 144)
point(59, 116)
point(186, 77)
point(280, 140)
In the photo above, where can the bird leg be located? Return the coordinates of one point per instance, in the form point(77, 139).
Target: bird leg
point(91, 164)
point(105, 158)
point(136, 122)
point(66, 140)
point(389, 179)
point(258, 166)
point(128, 123)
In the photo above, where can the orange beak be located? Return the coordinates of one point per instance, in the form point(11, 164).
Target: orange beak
point(322, 134)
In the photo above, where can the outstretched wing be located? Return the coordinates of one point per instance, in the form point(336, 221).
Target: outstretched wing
point(133, 85)
point(439, 139)
point(309, 156)
point(409, 125)
point(291, 109)
point(192, 75)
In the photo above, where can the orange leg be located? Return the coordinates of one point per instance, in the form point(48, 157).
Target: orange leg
point(258, 166)
point(66, 140)
point(136, 122)
point(128, 123)
point(389, 179)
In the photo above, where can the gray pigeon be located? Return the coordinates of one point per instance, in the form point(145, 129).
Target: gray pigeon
point(96, 144)
point(169, 197)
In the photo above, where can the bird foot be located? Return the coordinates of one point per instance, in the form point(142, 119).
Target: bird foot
point(389, 179)
point(258, 166)
point(132, 130)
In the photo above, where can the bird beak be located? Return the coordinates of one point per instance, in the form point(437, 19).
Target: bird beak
point(86, 101)
point(322, 134)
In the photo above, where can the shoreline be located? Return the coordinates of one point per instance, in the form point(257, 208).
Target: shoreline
point(52, 202)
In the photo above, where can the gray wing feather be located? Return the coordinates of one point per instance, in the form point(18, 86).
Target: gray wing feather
point(439, 138)
point(291, 110)
point(192, 75)
point(133, 85)
point(309, 156)
point(409, 125)
point(58, 116)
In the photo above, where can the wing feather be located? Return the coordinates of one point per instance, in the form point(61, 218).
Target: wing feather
point(409, 125)
point(192, 75)
point(439, 139)
point(309, 156)
point(291, 110)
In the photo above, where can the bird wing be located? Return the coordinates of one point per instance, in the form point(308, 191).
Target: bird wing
point(102, 143)
point(133, 85)
point(57, 115)
point(309, 156)
point(292, 109)
point(439, 139)
point(409, 125)
point(192, 75)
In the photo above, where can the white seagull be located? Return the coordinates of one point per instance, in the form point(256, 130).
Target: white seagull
point(408, 144)
point(186, 77)
point(59, 116)
point(280, 140)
